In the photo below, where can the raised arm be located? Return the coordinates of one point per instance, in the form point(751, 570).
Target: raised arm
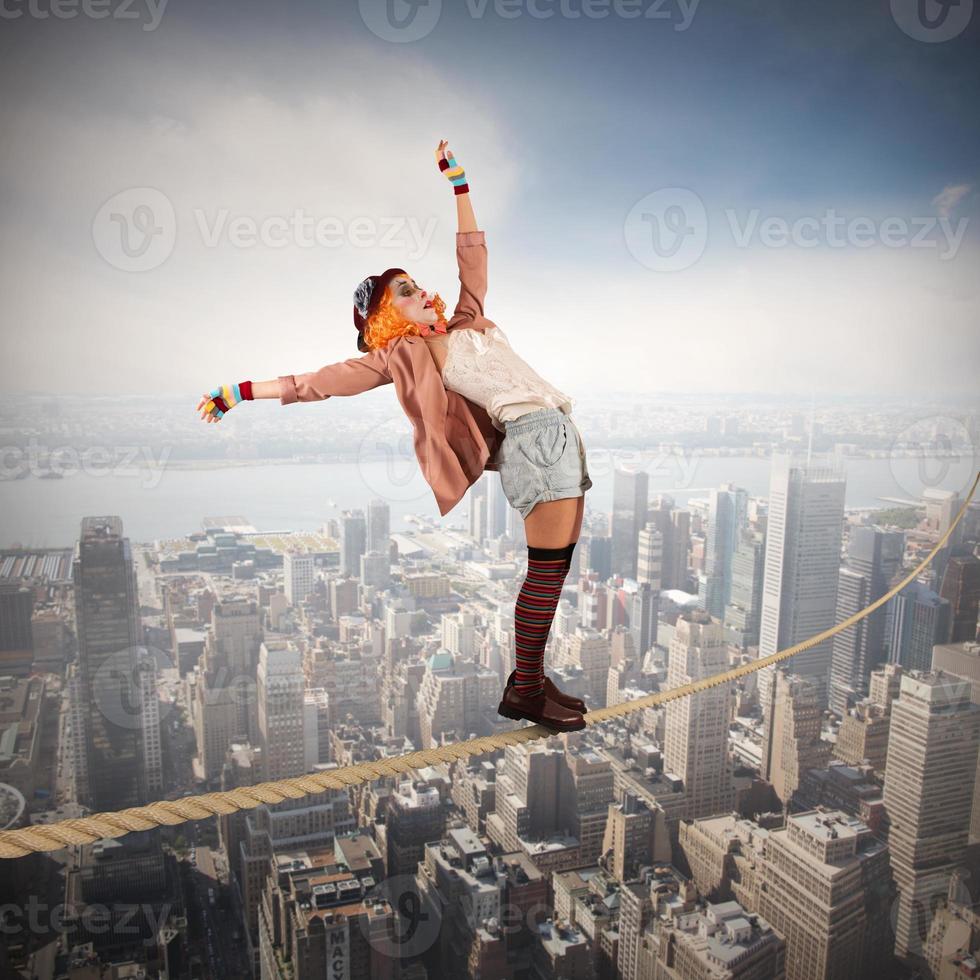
point(471, 246)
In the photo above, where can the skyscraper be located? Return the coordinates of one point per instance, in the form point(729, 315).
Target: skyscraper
point(744, 608)
point(629, 516)
point(353, 541)
point(917, 620)
point(298, 576)
point(803, 544)
point(727, 516)
point(696, 740)
point(378, 525)
point(874, 556)
point(110, 681)
point(932, 761)
point(650, 555)
point(281, 693)
point(791, 742)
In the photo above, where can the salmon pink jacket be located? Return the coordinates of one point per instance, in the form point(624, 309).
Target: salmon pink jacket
point(455, 439)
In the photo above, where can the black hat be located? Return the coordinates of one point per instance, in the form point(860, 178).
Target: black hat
point(367, 298)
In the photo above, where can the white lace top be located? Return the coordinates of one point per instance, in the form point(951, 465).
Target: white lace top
point(484, 368)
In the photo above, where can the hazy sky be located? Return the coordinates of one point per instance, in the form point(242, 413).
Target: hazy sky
point(725, 196)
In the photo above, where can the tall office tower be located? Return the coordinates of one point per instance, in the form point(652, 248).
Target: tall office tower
point(791, 742)
point(629, 517)
point(929, 777)
point(635, 913)
point(416, 815)
point(963, 659)
point(353, 541)
point(917, 620)
point(497, 507)
point(16, 636)
point(727, 516)
point(961, 586)
point(803, 543)
point(696, 740)
point(589, 650)
point(595, 553)
point(280, 690)
point(585, 790)
point(528, 795)
point(78, 712)
point(650, 555)
point(151, 754)
point(109, 633)
point(874, 557)
point(942, 506)
point(675, 527)
point(280, 838)
point(642, 612)
point(375, 570)
point(628, 840)
point(823, 883)
point(378, 525)
point(298, 576)
point(225, 701)
point(744, 610)
point(476, 503)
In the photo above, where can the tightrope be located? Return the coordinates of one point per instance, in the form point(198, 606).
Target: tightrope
point(86, 830)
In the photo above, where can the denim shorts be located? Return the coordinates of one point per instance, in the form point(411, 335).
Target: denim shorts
point(542, 457)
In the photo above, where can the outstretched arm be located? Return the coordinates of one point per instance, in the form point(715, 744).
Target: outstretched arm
point(349, 377)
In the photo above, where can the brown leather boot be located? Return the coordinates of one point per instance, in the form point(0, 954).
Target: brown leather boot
point(540, 709)
point(576, 704)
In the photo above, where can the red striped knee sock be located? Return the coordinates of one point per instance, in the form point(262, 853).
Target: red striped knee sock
point(535, 611)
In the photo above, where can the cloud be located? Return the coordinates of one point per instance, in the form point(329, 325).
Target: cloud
point(951, 195)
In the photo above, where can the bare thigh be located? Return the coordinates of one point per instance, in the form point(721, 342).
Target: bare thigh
point(554, 523)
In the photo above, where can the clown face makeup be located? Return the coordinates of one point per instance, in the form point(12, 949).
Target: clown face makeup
point(415, 304)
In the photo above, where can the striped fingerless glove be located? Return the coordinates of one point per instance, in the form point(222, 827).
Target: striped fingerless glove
point(455, 173)
point(226, 397)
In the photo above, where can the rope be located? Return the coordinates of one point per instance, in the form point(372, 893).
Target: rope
point(86, 830)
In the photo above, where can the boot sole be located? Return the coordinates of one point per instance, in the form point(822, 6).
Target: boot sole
point(516, 715)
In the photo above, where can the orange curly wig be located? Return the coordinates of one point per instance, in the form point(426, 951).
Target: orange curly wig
point(387, 323)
